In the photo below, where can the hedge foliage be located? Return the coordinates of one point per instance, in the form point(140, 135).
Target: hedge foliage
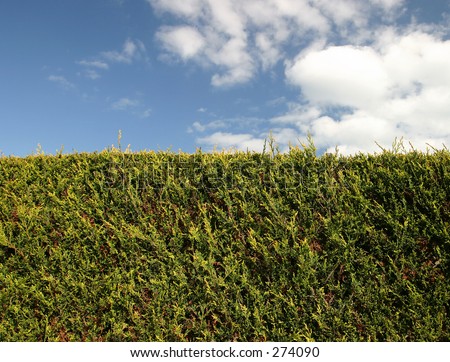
point(240, 246)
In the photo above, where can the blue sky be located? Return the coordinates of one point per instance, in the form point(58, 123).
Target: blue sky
point(223, 73)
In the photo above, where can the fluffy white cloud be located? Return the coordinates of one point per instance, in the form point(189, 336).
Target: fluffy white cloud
point(394, 89)
point(417, 57)
point(224, 140)
point(185, 41)
point(237, 62)
point(346, 75)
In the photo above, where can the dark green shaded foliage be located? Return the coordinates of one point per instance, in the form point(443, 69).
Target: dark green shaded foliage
point(120, 246)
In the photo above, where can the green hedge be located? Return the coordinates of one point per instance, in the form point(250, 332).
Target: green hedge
point(121, 246)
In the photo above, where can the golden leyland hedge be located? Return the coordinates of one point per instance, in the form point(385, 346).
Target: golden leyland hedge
point(121, 246)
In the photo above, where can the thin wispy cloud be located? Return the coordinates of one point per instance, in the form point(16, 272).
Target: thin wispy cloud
point(124, 104)
point(132, 106)
point(131, 51)
point(146, 113)
point(94, 64)
point(91, 74)
point(61, 81)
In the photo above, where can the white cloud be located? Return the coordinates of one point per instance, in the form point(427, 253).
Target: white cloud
point(389, 5)
point(196, 126)
point(185, 41)
point(394, 89)
point(355, 97)
point(124, 104)
point(224, 140)
point(61, 81)
point(185, 8)
point(417, 57)
point(146, 113)
point(343, 11)
point(202, 127)
point(91, 74)
point(283, 137)
point(345, 75)
point(131, 51)
point(299, 115)
point(94, 64)
point(359, 130)
point(268, 53)
point(131, 106)
point(239, 37)
point(362, 77)
point(238, 64)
